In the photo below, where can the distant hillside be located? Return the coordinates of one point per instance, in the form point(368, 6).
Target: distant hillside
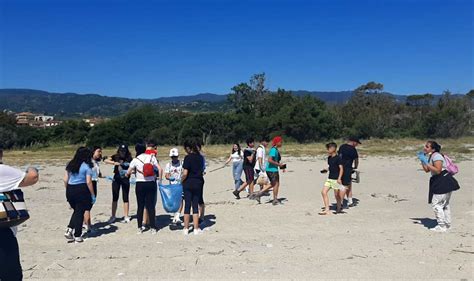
point(70, 105)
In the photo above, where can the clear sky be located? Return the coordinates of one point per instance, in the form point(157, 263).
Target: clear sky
point(164, 48)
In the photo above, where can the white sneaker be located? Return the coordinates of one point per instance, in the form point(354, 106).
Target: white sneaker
point(126, 220)
point(438, 229)
point(176, 218)
point(186, 231)
point(68, 235)
point(111, 220)
point(141, 230)
point(78, 239)
point(197, 231)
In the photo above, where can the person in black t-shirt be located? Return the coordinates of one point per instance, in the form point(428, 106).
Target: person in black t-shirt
point(334, 181)
point(193, 184)
point(350, 161)
point(248, 166)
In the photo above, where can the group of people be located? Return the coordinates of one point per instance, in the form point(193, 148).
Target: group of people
point(258, 169)
point(83, 172)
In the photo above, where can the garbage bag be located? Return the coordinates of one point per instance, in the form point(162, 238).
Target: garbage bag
point(171, 195)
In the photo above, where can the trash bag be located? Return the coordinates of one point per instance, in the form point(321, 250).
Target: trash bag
point(171, 195)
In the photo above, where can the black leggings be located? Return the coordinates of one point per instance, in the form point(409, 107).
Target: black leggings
point(192, 195)
point(79, 198)
point(10, 267)
point(116, 184)
point(146, 194)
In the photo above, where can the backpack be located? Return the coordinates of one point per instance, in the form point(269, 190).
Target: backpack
point(450, 166)
point(148, 168)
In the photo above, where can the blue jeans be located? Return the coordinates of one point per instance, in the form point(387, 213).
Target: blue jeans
point(237, 173)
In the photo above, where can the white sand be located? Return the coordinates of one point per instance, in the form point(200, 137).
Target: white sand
point(385, 236)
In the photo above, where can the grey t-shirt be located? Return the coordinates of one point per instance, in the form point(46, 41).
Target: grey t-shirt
point(437, 157)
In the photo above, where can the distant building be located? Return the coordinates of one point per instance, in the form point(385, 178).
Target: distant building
point(93, 121)
point(44, 118)
point(24, 118)
point(45, 124)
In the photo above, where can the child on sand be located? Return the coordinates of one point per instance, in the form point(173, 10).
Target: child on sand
point(334, 180)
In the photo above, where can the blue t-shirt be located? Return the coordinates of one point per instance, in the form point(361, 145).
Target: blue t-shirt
point(80, 177)
point(275, 155)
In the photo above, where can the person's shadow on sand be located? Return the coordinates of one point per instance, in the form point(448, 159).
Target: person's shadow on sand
point(426, 222)
point(102, 228)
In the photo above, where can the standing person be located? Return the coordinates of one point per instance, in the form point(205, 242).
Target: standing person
point(173, 172)
point(273, 165)
point(261, 161)
point(193, 184)
point(143, 166)
point(441, 184)
point(121, 161)
point(152, 149)
point(96, 158)
point(248, 166)
point(202, 205)
point(334, 181)
point(79, 191)
point(237, 157)
point(350, 161)
point(12, 179)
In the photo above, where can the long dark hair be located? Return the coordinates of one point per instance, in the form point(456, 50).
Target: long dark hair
point(434, 145)
point(83, 155)
point(192, 145)
point(238, 148)
point(122, 154)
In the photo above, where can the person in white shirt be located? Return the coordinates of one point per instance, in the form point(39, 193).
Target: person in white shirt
point(11, 179)
point(261, 159)
point(173, 172)
point(145, 187)
point(237, 158)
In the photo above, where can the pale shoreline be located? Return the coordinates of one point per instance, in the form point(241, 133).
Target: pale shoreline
point(385, 236)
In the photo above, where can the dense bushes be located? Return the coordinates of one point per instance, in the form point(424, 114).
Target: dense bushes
point(257, 112)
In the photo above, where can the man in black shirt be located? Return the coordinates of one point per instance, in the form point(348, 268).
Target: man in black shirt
point(350, 162)
point(334, 180)
point(248, 166)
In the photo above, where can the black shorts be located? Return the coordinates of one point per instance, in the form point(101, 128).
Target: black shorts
point(249, 175)
point(347, 177)
point(274, 177)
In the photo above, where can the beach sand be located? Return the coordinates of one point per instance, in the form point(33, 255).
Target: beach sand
point(385, 236)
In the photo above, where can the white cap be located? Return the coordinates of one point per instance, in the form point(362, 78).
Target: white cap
point(174, 152)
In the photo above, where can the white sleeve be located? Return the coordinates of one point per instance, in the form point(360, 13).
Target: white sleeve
point(167, 168)
point(259, 153)
point(10, 178)
point(133, 164)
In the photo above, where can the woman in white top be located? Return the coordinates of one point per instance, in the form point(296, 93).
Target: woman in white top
point(145, 187)
point(237, 158)
point(173, 172)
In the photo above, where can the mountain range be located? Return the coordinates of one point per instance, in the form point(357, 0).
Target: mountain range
point(76, 105)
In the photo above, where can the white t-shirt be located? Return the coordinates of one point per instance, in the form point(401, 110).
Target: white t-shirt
point(260, 154)
point(10, 178)
point(137, 165)
point(437, 157)
point(236, 157)
point(175, 171)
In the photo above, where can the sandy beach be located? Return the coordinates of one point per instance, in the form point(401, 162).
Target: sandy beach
point(385, 236)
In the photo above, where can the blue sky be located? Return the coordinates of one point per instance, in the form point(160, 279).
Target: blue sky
point(164, 48)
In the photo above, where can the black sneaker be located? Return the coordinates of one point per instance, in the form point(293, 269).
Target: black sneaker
point(236, 194)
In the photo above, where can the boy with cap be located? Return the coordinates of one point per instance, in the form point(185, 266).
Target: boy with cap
point(173, 171)
point(350, 162)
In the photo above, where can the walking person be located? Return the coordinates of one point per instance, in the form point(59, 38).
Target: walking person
point(12, 179)
point(334, 181)
point(442, 184)
point(237, 157)
point(261, 162)
point(273, 166)
point(173, 172)
point(350, 162)
point(79, 191)
point(143, 166)
point(96, 174)
point(121, 161)
point(248, 166)
point(193, 184)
